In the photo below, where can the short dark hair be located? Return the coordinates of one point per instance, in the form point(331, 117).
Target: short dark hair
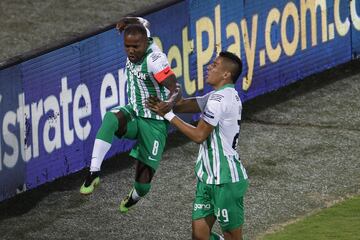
point(135, 29)
point(234, 62)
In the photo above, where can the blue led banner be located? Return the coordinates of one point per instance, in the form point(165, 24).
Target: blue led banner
point(354, 21)
point(13, 138)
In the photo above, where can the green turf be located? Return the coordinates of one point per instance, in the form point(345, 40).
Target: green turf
point(341, 221)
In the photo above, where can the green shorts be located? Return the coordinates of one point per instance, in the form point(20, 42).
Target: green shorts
point(224, 201)
point(150, 134)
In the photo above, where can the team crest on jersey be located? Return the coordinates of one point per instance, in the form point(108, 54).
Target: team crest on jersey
point(216, 97)
point(134, 71)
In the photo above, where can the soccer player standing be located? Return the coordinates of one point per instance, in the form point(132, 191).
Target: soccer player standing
point(148, 73)
point(222, 179)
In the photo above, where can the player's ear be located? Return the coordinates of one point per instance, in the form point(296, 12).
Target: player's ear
point(227, 75)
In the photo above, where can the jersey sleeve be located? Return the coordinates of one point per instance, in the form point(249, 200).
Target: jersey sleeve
point(159, 66)
point(214, 109)
point(202, 100)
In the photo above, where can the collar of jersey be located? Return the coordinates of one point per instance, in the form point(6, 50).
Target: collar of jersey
point(228, 85)
point(150, 41)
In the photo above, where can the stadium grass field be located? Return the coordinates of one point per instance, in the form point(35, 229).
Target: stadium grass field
point(340, 221)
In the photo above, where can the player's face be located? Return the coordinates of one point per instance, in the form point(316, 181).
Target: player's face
point(215, 72)
point(135, 46)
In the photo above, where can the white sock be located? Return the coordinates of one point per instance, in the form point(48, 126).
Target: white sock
point(99, 151)
point(135, 196)
point(214, 235)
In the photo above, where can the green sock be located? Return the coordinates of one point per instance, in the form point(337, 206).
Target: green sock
point(142, 188)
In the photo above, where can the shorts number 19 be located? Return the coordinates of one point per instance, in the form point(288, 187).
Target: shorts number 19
point(222, 213)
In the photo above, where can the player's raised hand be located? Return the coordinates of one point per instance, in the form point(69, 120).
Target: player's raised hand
point(120, 26)
point(124, 22)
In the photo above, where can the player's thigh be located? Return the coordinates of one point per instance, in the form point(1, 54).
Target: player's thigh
point(131, 129)
point(229, 205)
point(203, 212)
point(151, 137)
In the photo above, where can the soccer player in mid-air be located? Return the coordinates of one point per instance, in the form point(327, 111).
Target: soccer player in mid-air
point(222, 179)
point(148, 73)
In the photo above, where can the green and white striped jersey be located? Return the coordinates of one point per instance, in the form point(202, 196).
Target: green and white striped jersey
point(142, 80)
point(218, 162)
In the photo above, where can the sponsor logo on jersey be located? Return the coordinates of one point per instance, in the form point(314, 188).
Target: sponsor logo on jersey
point(133, 70)
point(155, 56)
point(201, 206)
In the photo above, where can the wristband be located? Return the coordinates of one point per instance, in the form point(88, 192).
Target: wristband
point(169, 116)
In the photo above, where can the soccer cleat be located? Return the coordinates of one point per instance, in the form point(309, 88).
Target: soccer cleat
point(127, 203)
point(91, 181)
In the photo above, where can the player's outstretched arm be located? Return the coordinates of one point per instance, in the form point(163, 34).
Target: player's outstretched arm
point(197, 134)
point(187, 105)
point(192, 105)
point(124, 22)
point(184, 105)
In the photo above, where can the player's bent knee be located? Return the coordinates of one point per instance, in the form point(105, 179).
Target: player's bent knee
point(110, 121)
point(108, 127)
point(142, 188)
